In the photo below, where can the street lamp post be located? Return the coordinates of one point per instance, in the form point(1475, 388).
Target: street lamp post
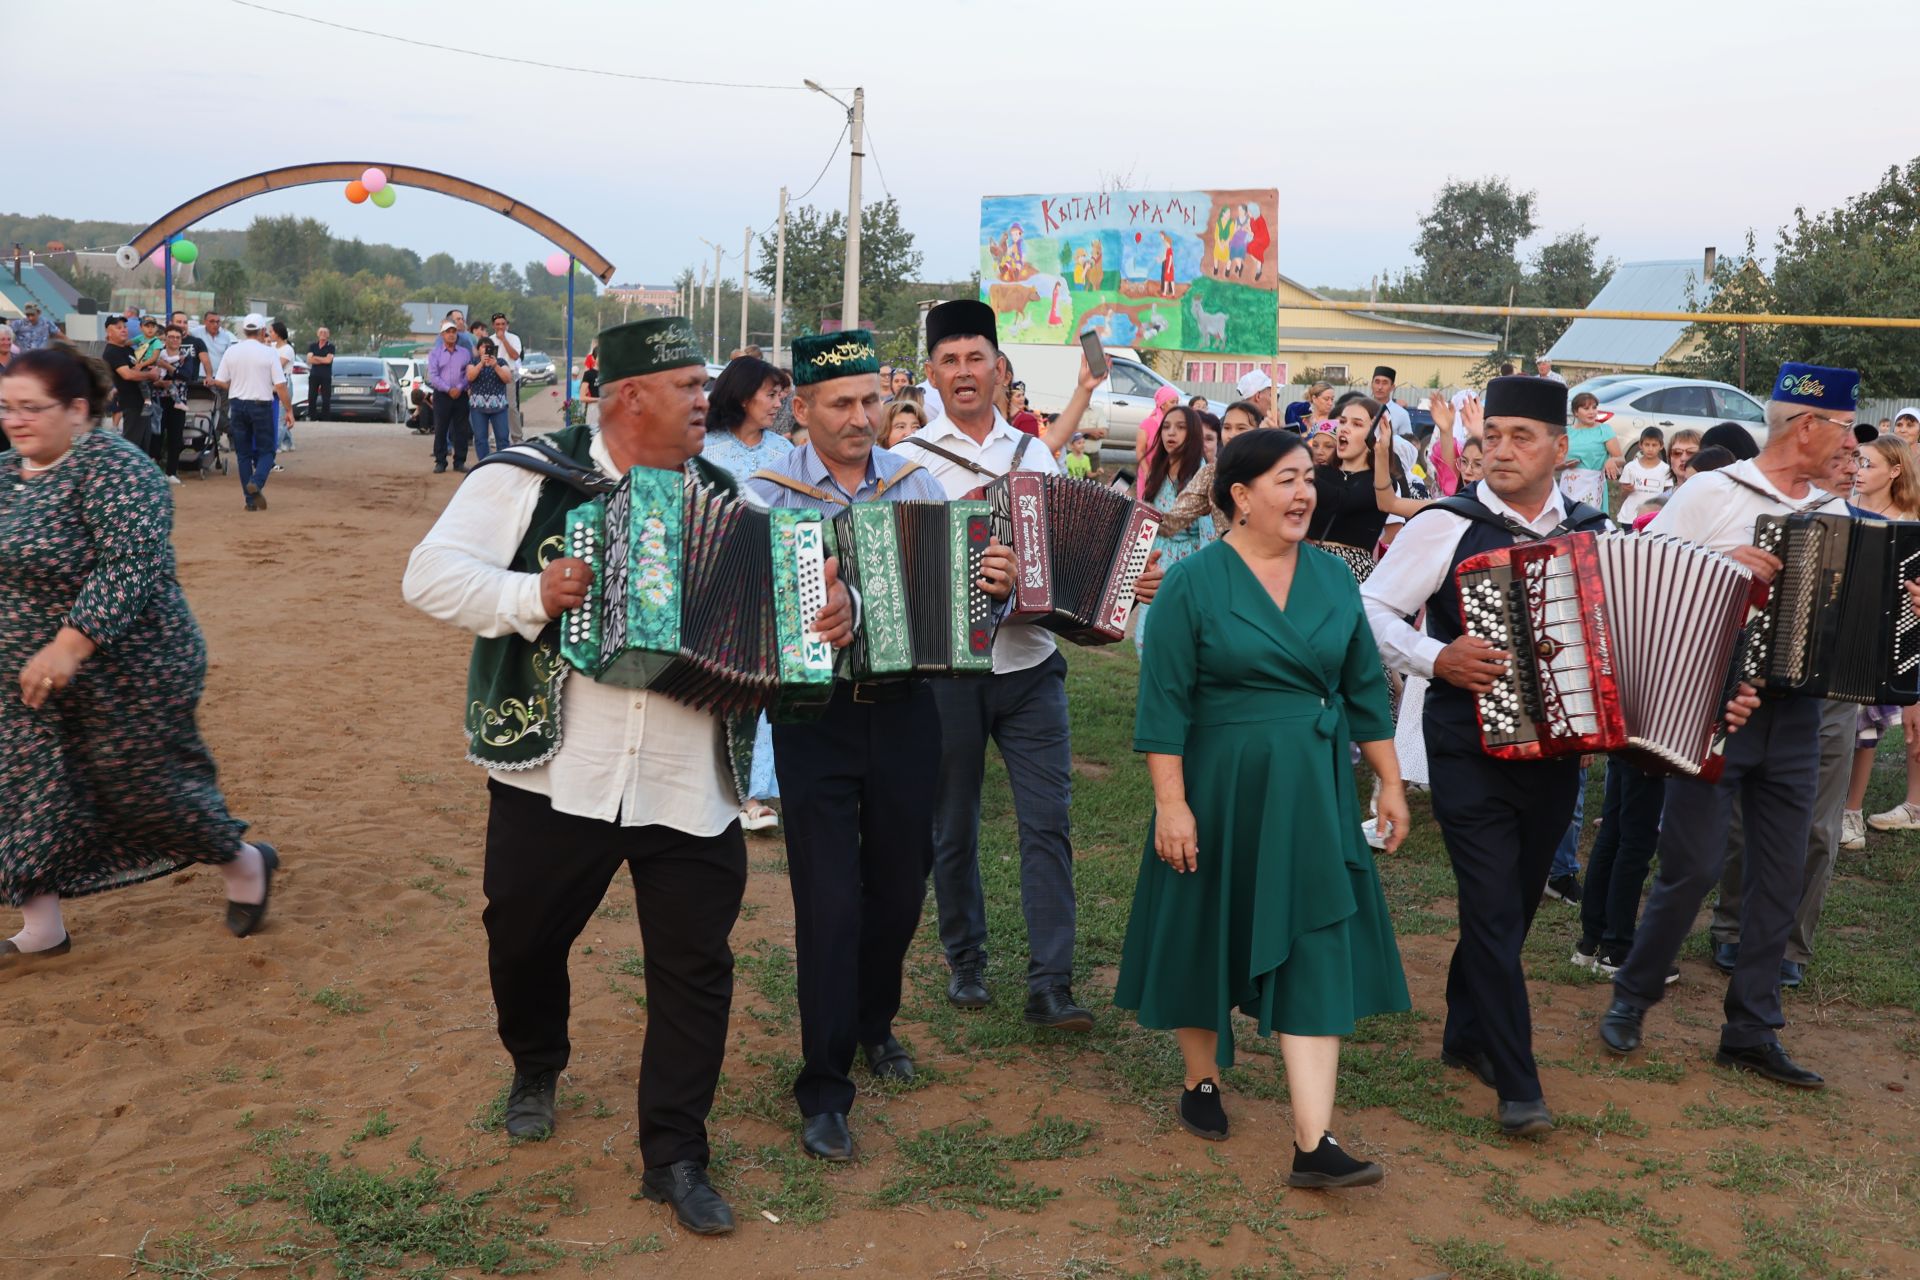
point(857, 131)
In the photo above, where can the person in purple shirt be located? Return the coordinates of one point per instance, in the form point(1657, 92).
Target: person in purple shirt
point(447, 375)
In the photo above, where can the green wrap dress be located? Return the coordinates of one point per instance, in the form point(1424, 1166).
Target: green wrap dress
point(1284, 918)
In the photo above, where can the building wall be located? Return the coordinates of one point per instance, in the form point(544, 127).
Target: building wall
point(1414, 370)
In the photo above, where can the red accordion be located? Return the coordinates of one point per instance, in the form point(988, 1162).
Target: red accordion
point(1078, 549)
point(1619, 642)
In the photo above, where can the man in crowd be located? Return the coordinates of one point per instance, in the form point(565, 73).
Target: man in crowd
point(1256, 388)
point(614, 777)
point(858, 782)
point(320, 375)
point(216, 340)
point(1381, 390)
point(1772, 768)
point(507, 343)
point(129, 382)
point(199, 365)
point(31, 332)
point(460, 324)
point(447, 375)
point(1544, 367)
point(253, 376)
point(886, 384)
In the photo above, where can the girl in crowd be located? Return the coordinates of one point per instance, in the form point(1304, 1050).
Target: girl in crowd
point(1645, 476)
point(1178, 456)
point(1324, 446)
point(1210, 433)
point(1347, 521)
point(1020, 417)
point(1456, 462)
point(104, 780)
point(1887, 485)
point(1255, 890)
point(1144, 443)
point(901, 419)
point(283, 413)
point(741, 410)
point(1196, 500)
point(1680, 450)
point(1593, 454)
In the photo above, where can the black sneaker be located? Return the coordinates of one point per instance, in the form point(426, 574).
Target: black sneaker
point(530, 1106)
point(1564, 889)
point(1200, 1112)
point(1327, 1166)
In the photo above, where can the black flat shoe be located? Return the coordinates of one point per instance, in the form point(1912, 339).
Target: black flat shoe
point(888, 1060)
point(1525, 1119)
point(530, 1106)
point(12, 957)
point(1771, 1061)
point(1200, 1112)
point(245, 918)
point(696, 1204)
point(1327, 1167)
point(1620, 1027)
point(967, 988)
point(1055, 1008)
point(1478, 1063)
point(825, 1137)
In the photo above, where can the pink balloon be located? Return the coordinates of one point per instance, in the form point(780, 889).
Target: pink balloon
point(557, 263)
point(373, 180)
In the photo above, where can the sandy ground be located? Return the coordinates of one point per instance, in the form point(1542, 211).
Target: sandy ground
point(138, 1070)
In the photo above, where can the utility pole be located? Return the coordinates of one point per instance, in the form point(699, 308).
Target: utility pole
point(780, 275)
point(717, 255)
point(746, 261)
point(693, 311)
point(857, 132)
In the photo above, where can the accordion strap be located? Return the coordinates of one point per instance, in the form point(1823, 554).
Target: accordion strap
point(1793, 508)
point(555, 465)
point(1578, 516)
point(821, 495)
point(1019, 452)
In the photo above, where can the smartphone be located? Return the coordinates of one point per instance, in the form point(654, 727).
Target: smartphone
point(1096, 354)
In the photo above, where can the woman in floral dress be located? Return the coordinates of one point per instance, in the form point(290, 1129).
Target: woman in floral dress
point(104, 781)
point(1179, 456)
point(741, 410)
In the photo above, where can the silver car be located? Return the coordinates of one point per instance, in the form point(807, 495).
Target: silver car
point(1123, 402)
point(1631, 403)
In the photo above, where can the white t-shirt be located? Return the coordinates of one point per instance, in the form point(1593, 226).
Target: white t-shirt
point(285, 352)
point(251, 371)
point(1643, 481)
point(518, 349)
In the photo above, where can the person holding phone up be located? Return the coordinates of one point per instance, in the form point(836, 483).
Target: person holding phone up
point(488, 381)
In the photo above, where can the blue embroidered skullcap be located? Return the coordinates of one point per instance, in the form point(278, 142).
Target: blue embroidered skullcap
point(1818, 387)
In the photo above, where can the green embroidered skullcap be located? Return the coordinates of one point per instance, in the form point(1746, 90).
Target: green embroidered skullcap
point(648, 346)
point(820, 356)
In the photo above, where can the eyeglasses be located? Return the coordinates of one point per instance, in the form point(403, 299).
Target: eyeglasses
point(24, 409)
point(1832, 422)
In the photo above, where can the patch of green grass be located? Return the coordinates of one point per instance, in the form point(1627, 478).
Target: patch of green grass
point(1800, 1248)
point(767, 1096)
point(1597, 1204)
point(609, 1254)
point(206, 1252)
point(427, 884)
point(1465, 1259)
point(1714, 1114)
point(446, 865)
point(340, 1000)
point(1650, 1068)
point(1609, 1119)
point(226, 1073)
point(377, 1126)
point(1163, 1209)
point(629, 961)
point(965, 1166)
point(768, 968)
point(776, 1178)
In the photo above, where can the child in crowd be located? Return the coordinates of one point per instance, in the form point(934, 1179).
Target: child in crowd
point(1078, 464)
point(1324, 448)
point(1646, 475)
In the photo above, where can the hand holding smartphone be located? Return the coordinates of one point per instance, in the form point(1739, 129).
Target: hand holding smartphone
point(1095, 353)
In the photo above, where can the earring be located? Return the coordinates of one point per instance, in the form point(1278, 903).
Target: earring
point(1243, 520)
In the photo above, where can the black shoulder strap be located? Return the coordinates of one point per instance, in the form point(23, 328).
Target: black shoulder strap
point(1468, 506)
point(1020, 451)
point(951, 456)
point(555, 465)
point(1806, 504)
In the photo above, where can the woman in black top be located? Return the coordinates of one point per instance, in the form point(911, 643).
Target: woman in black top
point(1347, 520)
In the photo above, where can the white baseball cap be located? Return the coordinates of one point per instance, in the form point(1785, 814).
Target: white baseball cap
point(1252, 384)
point(253, 323)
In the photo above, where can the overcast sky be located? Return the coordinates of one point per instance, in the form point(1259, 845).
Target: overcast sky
point(1660, 127)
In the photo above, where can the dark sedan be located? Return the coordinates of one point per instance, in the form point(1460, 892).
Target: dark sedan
point(364, 387)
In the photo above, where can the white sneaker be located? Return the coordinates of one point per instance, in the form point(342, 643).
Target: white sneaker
point(1902, 817)
point(173, 479)
point(1853, 830)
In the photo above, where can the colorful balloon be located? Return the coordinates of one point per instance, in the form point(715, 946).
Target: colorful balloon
point(557, 262)
point(373, 180)
point(356, 192)
point(384, 197)
point(185, 251)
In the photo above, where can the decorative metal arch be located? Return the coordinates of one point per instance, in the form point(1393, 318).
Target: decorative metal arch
point(300, 175)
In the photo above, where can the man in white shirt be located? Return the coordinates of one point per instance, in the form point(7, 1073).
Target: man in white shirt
point(1256, 388)
point(254, 379)
point(606, 777)
point(1544, 367)
point(1772, 767)
point(510, 347)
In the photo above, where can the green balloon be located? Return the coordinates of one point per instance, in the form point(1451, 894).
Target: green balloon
point(185, 251)
point(384, 197)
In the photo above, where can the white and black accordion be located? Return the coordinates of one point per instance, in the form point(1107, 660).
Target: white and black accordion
point(698, 594)
point(1078, 549)
point(917, 568)
point(1837, 623)
point(1620, 643)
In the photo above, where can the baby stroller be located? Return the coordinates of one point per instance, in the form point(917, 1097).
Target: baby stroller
point(199, 442)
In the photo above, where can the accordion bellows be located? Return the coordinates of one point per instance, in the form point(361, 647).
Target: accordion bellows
point(1837, 623)
point(697, 594)
point(1619, 642)
point(1078, 549)
point(917, 568)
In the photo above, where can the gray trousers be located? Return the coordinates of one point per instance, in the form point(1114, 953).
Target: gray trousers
point(1025, 713)
point(1772, 768)
point(1839, 727)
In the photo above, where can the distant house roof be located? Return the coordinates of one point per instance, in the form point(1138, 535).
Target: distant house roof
point(1633, 344)
point(425, 317)
point(37, 284)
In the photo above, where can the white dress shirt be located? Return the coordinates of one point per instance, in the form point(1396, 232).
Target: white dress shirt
point(251, 371)
point(625, 754)
point(1716, 511)
point(1416, 566)
point(1017, 645)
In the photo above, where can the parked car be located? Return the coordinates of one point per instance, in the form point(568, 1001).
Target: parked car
point(536, 368)
point(297, 390)
point(1630, 405)
point(405, 372)
point(1122, 403)
point(365, 387)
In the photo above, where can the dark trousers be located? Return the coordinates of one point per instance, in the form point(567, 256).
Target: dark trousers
point(856, 790)
point(1502, 821)
point(173, 419)
point(546, 873)
point(1025, 713)
point(452, 426)
point(1771, 765)
point(1622, 854)
point(319, 395)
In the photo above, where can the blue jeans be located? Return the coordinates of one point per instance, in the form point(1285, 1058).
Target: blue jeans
point(251, 422)
point(1566, 859)
point(485, 421)
point(1025, 712)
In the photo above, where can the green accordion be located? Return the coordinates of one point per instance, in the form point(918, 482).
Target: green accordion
point(917, 568)
point(698, 595)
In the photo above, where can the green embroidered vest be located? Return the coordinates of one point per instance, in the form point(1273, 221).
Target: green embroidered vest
point(514, 685)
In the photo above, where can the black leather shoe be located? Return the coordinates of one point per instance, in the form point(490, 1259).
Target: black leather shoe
point(1055, 1008)
point(244, 918)
point(1478, 1063)
point(888, 1060)
point(695, 1203)
point(825, 1137)
point(1792, 974)
point(530, 1106)
point(439, 468)
point(1725, 956)
point(1620, 1027)
point(1771, 1061)
point(967, 988)
point(12, 957)
point(1525, 1119)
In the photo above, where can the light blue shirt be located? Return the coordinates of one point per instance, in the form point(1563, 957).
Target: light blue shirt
point(804, 465)
point(217, 343)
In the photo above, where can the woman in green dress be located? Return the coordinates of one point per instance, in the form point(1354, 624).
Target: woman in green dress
point(1256, 890)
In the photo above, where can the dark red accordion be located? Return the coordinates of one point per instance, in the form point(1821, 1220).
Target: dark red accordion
point(1078, 549)
point(1620, 643)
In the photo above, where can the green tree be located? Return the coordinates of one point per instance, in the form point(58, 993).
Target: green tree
point(228, 280)
point(288, 249)
point(1468, 246)
point(1561, 273)
point(816, 262)
point(1714, 351)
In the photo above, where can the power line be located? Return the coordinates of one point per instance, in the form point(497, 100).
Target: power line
point(872, 151)
point(809, 191)
point(415, 43)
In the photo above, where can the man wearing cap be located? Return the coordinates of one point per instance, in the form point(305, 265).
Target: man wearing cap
point(1544, 367)
point(1256, 388)
point(604, 778)
point(129, 381)
point(252, 375)
point(1384, 378)
point(858, 781)
point(30, 333)
point(447, 375)
point(1772, 768)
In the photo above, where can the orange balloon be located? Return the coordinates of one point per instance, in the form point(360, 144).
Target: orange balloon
point(357, 192)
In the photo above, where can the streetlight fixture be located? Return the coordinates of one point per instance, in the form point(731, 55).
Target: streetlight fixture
point(857, 130)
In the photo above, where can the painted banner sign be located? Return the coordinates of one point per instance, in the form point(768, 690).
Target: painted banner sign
point(1176, 270)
